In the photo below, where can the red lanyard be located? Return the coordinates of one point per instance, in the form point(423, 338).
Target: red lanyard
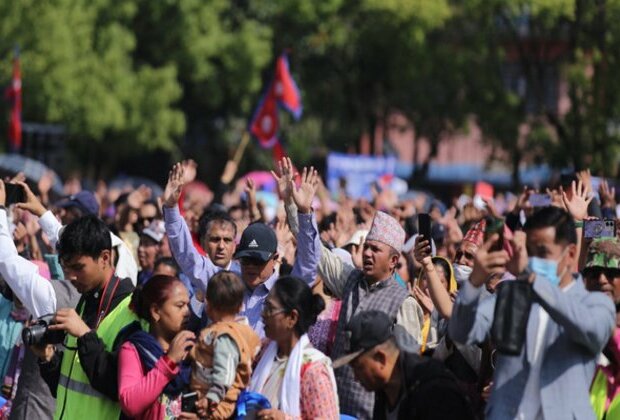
point(105, 296)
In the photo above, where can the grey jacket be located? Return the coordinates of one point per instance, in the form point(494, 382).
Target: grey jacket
point(580, 323)
point(34, 399)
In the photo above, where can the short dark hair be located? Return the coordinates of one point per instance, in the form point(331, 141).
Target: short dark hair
point(225, 292)
point(326, 222)
point(294, 294)
point(86, 236)
point(209, 218)
point(556, 218)
point(169, 261)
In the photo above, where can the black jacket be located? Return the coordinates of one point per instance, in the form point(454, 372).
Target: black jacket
point(100, 366)
point(429, 392)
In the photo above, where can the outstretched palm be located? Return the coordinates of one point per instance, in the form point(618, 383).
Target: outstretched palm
point(174, 185)
point(577, 206)
point(304, 195)
point(283, 177)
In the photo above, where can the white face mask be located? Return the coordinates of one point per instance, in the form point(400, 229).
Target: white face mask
point(462, 272)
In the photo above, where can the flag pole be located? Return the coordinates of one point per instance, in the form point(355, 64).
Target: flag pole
point(243, 144)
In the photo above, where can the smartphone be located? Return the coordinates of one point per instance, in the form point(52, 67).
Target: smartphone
point(188, 402)
point(492, 227)
point(424, 226)
point(540, 200)
point(599, 229)
point(14, 194)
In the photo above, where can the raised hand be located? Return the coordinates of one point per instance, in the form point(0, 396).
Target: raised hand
point(304, 195)
point(608, 195)
point(250, 190)
point(20, 232)
point(423, 299)
point(357, 252)
point(174, 186)
point(487, 262)
point(283, 177)
point(190, 168)
point(586, 178)
point(523, 201)
point(422, 251)
point(577, 206)
point(32, 203)
point(46, 182)
point(19, 177)
point(518, 262)
point(138, 196)
point(181, 345)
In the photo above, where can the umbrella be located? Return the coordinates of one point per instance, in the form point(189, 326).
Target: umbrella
point(263, 180)
point(133, 182)
point(11, 164)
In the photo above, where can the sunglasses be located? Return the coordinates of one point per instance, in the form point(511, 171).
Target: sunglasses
point(595, 272)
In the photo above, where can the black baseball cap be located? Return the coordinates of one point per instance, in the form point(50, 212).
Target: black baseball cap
point(371, 328)
point(257, 241)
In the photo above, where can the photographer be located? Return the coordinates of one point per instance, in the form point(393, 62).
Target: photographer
point(85, 373)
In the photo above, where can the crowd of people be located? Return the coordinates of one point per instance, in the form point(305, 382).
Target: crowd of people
point(200, 304)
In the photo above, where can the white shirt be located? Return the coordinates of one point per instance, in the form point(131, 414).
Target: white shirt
point(22, 276)
point(531, 394)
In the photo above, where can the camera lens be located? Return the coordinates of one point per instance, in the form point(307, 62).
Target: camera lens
point(34, 335)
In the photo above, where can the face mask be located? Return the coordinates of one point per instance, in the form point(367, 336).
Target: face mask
point(462, 272)
point(547, 268)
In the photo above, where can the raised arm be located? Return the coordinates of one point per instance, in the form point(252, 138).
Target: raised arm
point(439, 294)
point(577, 206)
point(472, 315)
point(197, 267)
point(22, 276)
point(308, 242)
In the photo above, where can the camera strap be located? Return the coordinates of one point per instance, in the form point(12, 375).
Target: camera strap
point(106, 299)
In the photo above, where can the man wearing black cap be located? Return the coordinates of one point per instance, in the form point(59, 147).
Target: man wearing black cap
point(257, 251)
point(385, 359)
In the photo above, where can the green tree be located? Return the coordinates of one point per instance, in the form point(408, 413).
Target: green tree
point(78, 70)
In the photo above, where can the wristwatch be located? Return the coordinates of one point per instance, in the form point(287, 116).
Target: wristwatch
point(525, 274)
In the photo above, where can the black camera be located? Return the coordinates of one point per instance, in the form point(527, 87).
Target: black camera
point(39, 333)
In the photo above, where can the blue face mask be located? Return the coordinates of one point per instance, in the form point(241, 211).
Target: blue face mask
point(545, 268)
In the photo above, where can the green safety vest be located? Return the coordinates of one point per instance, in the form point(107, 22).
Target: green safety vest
point(598, 398)
point(76, 398)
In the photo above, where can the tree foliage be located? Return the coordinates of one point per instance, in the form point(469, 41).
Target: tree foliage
point(128, 76)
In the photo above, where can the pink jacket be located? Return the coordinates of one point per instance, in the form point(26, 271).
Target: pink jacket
point(139, 392)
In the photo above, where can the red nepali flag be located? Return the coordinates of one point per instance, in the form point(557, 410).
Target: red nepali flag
point(14, 94)
point(264, 125)
point(285, 88)
point(282, 91)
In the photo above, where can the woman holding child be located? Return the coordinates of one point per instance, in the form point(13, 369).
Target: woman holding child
point(297, 379)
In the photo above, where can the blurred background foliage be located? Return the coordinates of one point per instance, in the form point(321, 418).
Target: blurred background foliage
point(132, 80)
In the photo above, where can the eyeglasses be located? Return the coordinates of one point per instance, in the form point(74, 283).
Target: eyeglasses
point(268, 311)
